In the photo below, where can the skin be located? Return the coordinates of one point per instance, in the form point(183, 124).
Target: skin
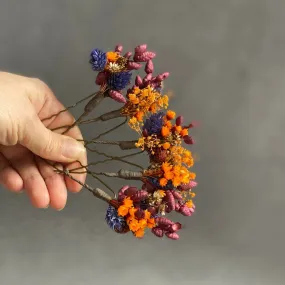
point(25, 139)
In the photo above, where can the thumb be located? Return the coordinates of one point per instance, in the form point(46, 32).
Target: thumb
point(50, 145)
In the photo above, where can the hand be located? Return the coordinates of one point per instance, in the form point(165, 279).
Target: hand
point(24, 138)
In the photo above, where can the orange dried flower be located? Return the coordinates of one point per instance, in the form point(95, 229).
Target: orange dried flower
point(168, 175)
point(170, 115)
point(166, 145)
point(112, 56)
point(165, 131)
point(189, 204)
point(150, 223)
point(168, 124)
point(161, 193)
point(163, 182)
point(192, 194)
point(128, 202)
point(178, 129)
point(142, 223)
point(184, 132)
point(132, 212)
point(139, 233)
point(134, 225)
point(147, 214)
point(139, 116)
point(123, 211)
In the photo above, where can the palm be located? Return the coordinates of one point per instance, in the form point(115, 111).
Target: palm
point(29, 172)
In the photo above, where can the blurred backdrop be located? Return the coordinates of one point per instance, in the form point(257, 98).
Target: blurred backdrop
point(227, 65)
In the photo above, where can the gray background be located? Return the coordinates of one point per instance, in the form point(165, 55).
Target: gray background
point(227, 64)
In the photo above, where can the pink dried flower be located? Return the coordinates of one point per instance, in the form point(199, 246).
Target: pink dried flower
point(173, 236)
point(149, 67)
point(128, 54)
point(138, 81)
point(131, 191)
point(163, 221)
point(145, 56)
point(119, 48)
point(161, 77)
point(117, 96)
point(185, 211)
point(157, 231)
point(131, 65)
point(177, 195)
point(169, 198)
point(176, 227)
point(188, 186)
point(139, 195)
point(140, 49)
point(188, 140)
point(179, 120)
point(101, 78)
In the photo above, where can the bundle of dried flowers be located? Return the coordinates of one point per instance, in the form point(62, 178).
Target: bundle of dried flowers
point(167, 181)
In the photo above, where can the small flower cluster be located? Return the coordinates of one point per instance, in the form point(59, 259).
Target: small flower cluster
point(115, 70)
point(168, 181)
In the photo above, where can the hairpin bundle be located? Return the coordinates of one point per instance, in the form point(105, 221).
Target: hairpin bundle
point(167, 182)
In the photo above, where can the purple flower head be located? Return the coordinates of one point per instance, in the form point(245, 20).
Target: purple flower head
point(114, 221)
point(154, 123)
point(98, 60)
point(118, 81)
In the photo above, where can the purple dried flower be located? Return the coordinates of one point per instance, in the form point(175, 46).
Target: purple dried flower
point(118, 81)
point(114, 221)
point(98, 60)
point(154, 123)
point(117, 96)
point(188, 186)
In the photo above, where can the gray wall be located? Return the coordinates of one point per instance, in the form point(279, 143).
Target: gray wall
point(227, 64)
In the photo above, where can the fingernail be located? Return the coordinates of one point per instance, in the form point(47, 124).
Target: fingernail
point(73, 149)
point(60, 209)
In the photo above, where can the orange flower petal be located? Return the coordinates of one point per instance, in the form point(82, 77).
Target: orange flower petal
point(170, 115)
point(123, 211)
point(139, 233)
point(166, 145)
point(165, 131)
point(163, 182)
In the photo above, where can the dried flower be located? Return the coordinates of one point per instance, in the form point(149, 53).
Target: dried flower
point(98, 60)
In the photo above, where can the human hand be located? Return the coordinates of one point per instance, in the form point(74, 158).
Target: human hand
point(24, 138)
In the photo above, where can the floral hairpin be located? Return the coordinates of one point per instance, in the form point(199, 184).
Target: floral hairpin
point(167, 182)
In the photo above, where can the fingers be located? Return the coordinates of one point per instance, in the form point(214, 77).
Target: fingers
point(50, 145)
point(55, 184)
point(9, 177)
point(34, 184)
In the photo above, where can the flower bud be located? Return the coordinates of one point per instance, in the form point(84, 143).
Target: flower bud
point(117, 96)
